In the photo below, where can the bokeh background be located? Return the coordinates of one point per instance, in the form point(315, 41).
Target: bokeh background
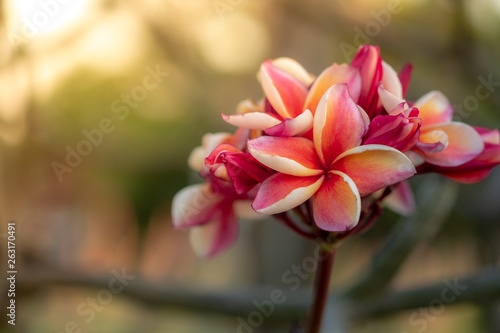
point(67, 66)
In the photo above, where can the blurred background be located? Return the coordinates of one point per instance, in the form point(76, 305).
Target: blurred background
point(152, 77)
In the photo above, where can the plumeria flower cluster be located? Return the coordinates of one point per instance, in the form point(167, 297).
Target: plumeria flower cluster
point(330, 149)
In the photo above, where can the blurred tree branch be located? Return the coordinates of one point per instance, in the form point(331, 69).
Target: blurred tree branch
point(479, 288)
point(230, 302)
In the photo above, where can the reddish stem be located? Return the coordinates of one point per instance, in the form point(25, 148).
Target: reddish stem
point(369, 217)
point(283, 217)
point(321, 286)
point(364, 225)
point(301, 211)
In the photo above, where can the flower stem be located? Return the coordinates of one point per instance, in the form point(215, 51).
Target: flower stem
point(285, 219)
point(321, 285)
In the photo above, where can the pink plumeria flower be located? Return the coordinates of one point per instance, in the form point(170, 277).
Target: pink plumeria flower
point(479, 167)
point(402, 201)
point(399, 129)
point(229, 164)
point(333, 169)
point(209, 216)
point(443, 145)
point(373, 71)
point(442, 142)
point(211, 210)
point(291, 96)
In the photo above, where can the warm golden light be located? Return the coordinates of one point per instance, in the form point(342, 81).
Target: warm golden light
point(234, 45)
point(34, 18)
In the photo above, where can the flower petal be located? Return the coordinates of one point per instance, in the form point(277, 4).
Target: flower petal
point(281, 192)
point(374, 167)
point(193, 205)
point(243, 210)
point(464, 143)
point(331, 76)
point(240, 137)
point(252, 120)
point(401, 199)
point(338, 124)
point(295, 69)
point(369, 63)
point(217, 154)
point(215, 162)
point(395, 131)
point(390, 80)
point(476, 169)
point(291, 155)
point(247, 106)
point(217, 235)
point(245, 171)
point(247, 163)
point(468, 177)
point(285, 93)
point(405, 77)
point(390, 102)
point(210, 141)
point(337, 204)
point(299, 125)
point(414, 157)
point(488, 136)
point(434, 108)
point(433, 141)
point(196, 159)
